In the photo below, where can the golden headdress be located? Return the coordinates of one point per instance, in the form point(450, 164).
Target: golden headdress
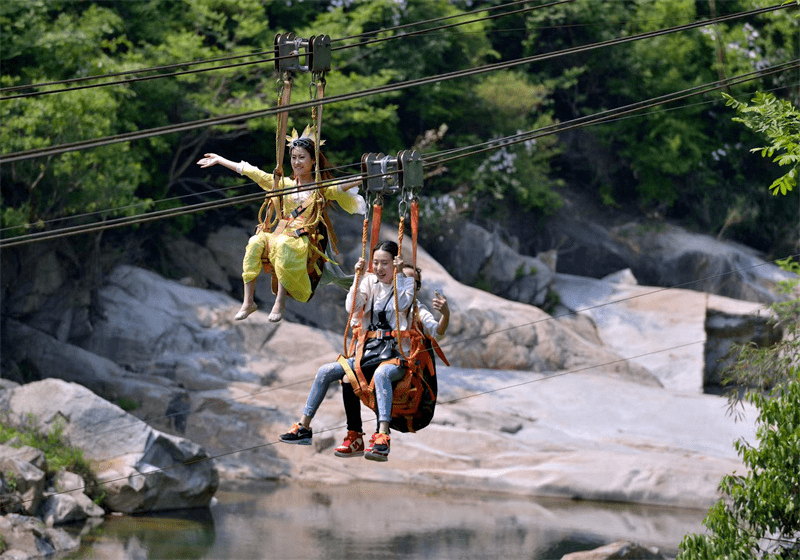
point(302, 140)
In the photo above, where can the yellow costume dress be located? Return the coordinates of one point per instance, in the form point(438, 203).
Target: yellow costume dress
point(288, 254)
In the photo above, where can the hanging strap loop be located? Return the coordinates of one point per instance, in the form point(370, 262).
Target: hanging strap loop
point(272, 209)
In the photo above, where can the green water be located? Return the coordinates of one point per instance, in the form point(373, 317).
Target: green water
point(304, 521)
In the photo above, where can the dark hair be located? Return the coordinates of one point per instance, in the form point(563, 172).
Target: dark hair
point(307, 144)
point(418, 273)
point(388, 246)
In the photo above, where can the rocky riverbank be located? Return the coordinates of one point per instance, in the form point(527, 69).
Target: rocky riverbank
point(601, 399)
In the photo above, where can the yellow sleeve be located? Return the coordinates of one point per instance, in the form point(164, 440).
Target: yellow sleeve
point(350, 201)
point(261, 178)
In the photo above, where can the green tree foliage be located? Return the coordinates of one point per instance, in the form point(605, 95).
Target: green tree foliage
point(685, 160)
point(760, 514)
point(760, 517)
point(657, 160)
point(43, 43)
point(779, 121)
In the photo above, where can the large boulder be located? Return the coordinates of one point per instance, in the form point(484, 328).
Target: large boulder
point(680, 336)
point(22, 483)
point(481, 258)
point(27, 488)
point(139, 468)
point(63, 504)
point(590, 243)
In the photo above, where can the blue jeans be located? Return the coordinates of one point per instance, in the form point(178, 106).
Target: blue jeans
point(385, 374)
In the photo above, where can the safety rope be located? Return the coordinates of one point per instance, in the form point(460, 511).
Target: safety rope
point(356, 284)
point(399, 332)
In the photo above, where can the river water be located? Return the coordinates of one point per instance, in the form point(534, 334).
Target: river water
point(287, 521)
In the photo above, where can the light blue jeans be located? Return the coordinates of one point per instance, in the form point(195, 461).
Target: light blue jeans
point(385, 374)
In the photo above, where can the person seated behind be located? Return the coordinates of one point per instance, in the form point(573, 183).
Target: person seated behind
point(374, 292)
point(353, 444)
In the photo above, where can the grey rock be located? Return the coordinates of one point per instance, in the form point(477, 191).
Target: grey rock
point(58, 509)
point(198, 263)
point(620, 550)
point(26, 482)
point(25, 453)
point(28, 537)
point(139, 468)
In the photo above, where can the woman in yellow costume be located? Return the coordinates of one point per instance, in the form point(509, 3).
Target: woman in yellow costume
point(287, 249)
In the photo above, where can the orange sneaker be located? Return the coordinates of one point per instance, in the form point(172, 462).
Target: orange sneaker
point(352, 446)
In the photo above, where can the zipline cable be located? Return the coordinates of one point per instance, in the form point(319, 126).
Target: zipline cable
point(610, 114)
point(496, 142)
point(445, 18)
point(125, 73)
point(160, 214)
point(227, 119)
point(431, 30)
point(457, 153)
point(261, 61)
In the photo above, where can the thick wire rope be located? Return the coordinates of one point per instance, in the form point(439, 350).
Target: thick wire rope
point(161, 200)
point(162, 214)
point(227, 119)
point(261, 53)
point(441, 18)
point(129, 73)
point(608, 114)
point(457, 153)
point(443, 27)
point(498, 143)
point(140, 79)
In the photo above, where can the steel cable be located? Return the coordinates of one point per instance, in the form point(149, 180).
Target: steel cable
point(228, 119)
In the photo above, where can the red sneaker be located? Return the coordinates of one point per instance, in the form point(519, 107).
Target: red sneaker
point(352, 446)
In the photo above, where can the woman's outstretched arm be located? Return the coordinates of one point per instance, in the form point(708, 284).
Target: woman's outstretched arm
point(211, 160)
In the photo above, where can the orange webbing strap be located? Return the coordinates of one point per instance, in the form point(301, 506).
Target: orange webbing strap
point(358, 383)
point(357, 284)
point(377, 213)
point(284, 223)
point(439, 351)
point(414, 231)
point(408, 392)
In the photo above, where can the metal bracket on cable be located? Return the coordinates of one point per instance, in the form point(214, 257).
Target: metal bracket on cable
point(380, 173)
point(317, 53)
point(410, 166)
point(388, 174)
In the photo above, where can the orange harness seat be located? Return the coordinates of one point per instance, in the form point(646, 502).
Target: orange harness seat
point(414, 395)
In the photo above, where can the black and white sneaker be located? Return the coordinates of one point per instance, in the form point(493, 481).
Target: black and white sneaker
point(299, 434)
point(379, 448)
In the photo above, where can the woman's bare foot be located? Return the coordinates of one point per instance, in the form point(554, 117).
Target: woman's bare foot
point(245, 312)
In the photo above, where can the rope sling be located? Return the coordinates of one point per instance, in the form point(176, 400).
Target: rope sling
point(272, 216)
